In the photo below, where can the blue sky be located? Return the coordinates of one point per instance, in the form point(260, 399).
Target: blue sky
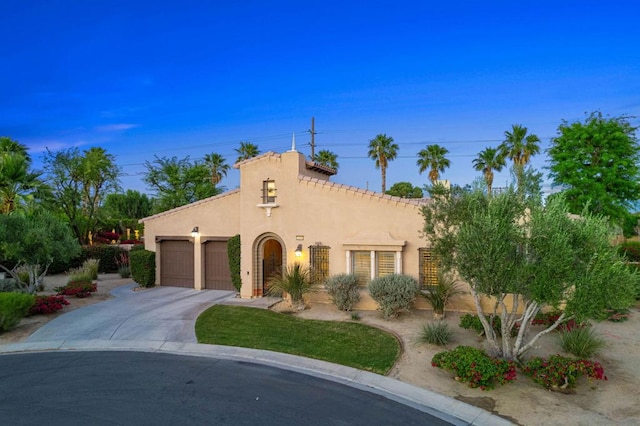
point(187, 78)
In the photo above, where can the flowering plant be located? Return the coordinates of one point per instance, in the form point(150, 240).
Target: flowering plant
point(47, 305)
point(559, 372)
point(78, 288)
point(475, 367)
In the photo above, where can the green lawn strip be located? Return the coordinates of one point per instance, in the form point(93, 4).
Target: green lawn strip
point(351, 344)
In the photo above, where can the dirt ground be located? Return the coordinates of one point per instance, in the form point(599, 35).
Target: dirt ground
point(615, 401)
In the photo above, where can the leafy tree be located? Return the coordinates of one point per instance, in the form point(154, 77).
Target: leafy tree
point(597, 164)
point(527, 256)
point(79, 182)
point(327, 158)
point(433, 157)
point(130, 205)
point(488, 160)
point(35, 240)
point(247, 150)
point(405, 190)
point(382, 150)
point(218, 166)
point(177, 182)
point(519, 148)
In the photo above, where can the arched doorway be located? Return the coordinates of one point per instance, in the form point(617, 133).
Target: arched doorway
point(269, 260)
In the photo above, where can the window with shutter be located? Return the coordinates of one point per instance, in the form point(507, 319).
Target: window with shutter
point(428, 268)
point(385, 263)
point(361, 266)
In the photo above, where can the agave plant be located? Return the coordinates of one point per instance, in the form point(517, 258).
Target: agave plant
point(295, 281)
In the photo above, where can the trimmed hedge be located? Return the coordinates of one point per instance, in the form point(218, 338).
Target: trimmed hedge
point(14, 307)
point(105, 253)
point(233, 253)
point(143, 267)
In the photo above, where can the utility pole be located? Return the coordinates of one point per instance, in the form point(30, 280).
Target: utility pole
point(313, 143)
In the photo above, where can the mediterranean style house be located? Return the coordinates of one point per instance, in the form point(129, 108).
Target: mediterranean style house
point(287, 210)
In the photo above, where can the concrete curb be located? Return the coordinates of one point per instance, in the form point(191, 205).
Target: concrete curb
point(444, 407)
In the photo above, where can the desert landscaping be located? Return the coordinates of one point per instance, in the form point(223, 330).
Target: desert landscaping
point(523, 402)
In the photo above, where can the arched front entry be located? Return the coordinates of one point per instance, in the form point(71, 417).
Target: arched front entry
point(269, 255)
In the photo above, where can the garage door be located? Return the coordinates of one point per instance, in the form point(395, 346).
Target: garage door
point(176, 263)
point(216, 270)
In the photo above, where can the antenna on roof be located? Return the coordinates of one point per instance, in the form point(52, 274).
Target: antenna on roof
point(293, 143)
point(313, 142)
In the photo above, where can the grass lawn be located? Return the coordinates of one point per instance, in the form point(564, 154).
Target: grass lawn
point(352, 344)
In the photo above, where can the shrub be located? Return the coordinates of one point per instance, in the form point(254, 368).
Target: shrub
point(7, 285)
point(90, 266)
point(472, 322)
point(438, 296)
point(618, 315)
point(143, 267)
point(124, 269)
point(79, 288)
point(561, 372)
point(295, 281)
point(106, 254)
point(233, 253)
point(436, 333)
point(47, 305)
point(474, 366)
point(344, 291)
point(80, 274)
point(581, 342)
point(630, 250)
point(394, 293)
point(14, 307)
point(547, 319)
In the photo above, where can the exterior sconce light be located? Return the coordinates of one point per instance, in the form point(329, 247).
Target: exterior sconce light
point(194, 231)
point(299, 250)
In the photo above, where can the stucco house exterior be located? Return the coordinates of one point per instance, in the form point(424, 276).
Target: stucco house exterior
point(287, 210)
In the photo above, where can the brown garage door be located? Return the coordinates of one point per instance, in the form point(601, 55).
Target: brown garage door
point(176, 263)
point(216, 270)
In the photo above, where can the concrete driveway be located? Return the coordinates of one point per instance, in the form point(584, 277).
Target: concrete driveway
point(165, 314)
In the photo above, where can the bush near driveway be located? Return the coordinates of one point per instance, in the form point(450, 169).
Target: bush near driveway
point(143, 267)
point(347, 343)
point(13, 307)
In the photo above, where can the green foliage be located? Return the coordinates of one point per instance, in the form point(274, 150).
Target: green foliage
point(433, 157)
point(295, 281)
point(344, 290)
point(130, 205)
point(20, 185)
point(519, 148)
point(233, 254)
point(630, 250)
point(7, 285)
point(13, 307)
point(247, 150)
point(581, 342)
point(143, 267)
point(438, 296)
point(106, 254)
point(559, 372)
point(91, 267)
point(80, 274)
point(488, 160)
point(394, 293)
point(35, 239)
point(382, 149)
point(327, 158)
point(630, 225)
point(80, 288)
point(347, 343)
point(177, 182)
point(405, 190)
point(474, 366)
point(598, 163)
point(79, 182)
point(436, 333)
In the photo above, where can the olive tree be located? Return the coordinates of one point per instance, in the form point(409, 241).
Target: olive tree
point(522, 256)
point(35, 241)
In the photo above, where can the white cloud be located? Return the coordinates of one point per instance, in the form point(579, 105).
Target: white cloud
point(116, 127)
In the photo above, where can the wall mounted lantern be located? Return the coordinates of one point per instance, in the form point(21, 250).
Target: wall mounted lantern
point(299, 250)
point(194, 231)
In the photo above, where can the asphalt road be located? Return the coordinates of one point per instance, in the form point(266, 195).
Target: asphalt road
point(141, 388)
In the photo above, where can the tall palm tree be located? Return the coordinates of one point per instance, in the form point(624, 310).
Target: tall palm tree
point(488, 160)
point(519, 148)
point(247, 150)
point(8, 145)
point(382, 150)
point(218, 166)
point(327, 158)
point(433, 157)
point(17, 182)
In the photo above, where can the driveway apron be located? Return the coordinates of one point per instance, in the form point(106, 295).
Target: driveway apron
point(157, 314)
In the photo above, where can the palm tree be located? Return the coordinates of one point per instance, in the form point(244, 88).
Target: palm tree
point(382, 150)
point(327, 158)
point(433, 158)
point(17, 182)
point(8, 146)
point(247, 150)
point(519, 148)
point(488, 160)
point(218, 166)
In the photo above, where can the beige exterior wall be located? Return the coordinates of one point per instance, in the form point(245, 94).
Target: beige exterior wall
point(308, 209)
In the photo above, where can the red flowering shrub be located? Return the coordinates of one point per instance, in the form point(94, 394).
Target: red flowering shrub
point(80, 289)
point(562, 372)
point(130, 242)
point(107, 235)
point(47, 305)
point(549, 318)
point(474, 366)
